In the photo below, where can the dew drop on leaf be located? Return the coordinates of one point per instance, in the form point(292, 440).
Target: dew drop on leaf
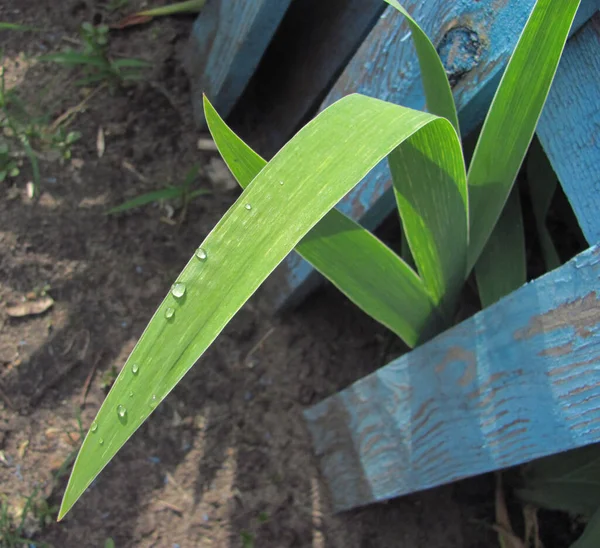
point(201, 254)
point(94, 426)
point(248, 207)
point(135, 368)
point(169, 313)
point(121, 411)
point(178, 290)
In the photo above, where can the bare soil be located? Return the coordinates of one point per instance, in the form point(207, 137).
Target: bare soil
point(226, 461)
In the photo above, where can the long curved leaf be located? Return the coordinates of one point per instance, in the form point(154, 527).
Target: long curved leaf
point(431, 191)
point(433, 203)
point(438, 93)
point(513, 116)
point(371, 275)
point(324, 161)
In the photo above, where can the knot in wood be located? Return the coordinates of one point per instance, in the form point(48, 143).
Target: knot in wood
point(460, 51)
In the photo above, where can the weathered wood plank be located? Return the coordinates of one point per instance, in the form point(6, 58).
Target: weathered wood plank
point(474, 39)
point(312, 45)
point(227, 42)
point(518, 381)
point(569, 128)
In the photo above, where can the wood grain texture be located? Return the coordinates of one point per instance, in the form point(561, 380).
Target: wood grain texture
point(474, 39)
point(569, 128)
point(227, 42)
point(518, 381)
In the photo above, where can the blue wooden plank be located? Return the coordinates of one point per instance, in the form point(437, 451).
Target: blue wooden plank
point(311, 47)
point(569, 128)
point(227, 42)
point(475, 40)
point(518, 381)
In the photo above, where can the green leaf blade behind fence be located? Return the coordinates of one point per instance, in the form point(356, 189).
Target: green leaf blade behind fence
point(513, 116)
point(501, 267)
point(371, 275)
point(543, 183)
point(250, 240)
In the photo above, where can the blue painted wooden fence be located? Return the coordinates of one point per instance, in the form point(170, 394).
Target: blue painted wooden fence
point(227, 43)
point(519, 380)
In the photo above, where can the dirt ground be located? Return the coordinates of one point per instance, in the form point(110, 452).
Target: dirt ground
point(226, 461)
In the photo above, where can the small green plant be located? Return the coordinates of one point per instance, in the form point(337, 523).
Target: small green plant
point(450, 217)
point(15, 523)
point(181, 193)
point(9, 167)
point(24, 135)
point(95, 61)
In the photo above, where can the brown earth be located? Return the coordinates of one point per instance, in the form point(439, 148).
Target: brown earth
point(226, 460)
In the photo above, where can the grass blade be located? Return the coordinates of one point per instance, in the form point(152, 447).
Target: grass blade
point(438, 93)
point(250, 240)
point(73, 59)
point(513, 116)
point(501, 267)
point(356, 262)
point(18, 27)
point(543, 183)
point(163, 194)
point(190, 6)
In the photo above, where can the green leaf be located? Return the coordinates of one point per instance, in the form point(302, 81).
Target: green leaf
point(148, 198)
point(591, 536)
point(354, 260)
point(568, 481)
point(513, 116)
point(190, 6)
point(431, 191)
point(543, 183)
point(501, 267)
point(17, 27)
point(433, 202)
point(251, 239)
point(438, 93)
point(74, 58)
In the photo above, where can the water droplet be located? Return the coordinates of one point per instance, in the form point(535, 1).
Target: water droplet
point(94, 426)
point(201, 254)
point(101, 441)
point(135, 368)
point(169, 313)
point(153, 401)
point(131, 394)
point(281, 183)
point(121, 411)
point(178, 290)
point(248, 207)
